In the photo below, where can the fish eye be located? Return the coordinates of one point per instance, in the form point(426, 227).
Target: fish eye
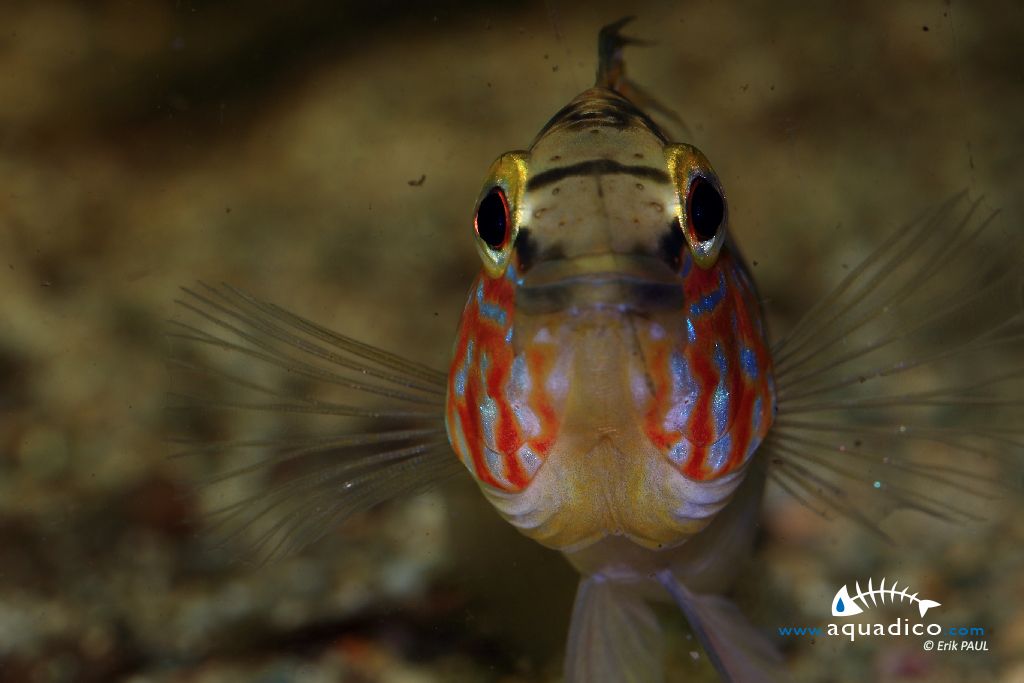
point(704, 209)
point(701, 212)
point(498, 209)
point(492, 219)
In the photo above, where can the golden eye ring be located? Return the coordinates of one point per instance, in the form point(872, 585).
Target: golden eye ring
point(499, 211)
point(701, 210)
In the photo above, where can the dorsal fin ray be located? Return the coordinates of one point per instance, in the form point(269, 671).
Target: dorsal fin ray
point(611, 73)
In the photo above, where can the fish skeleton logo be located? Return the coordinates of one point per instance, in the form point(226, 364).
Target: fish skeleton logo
point(845, 605)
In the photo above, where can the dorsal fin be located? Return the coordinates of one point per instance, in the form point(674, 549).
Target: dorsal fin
point(611, 72)
point(611, 68)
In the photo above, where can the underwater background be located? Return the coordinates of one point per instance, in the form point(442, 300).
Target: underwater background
point(326, 156)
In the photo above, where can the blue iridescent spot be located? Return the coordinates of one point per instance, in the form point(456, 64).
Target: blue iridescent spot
point(720, 407)
point(720, 451)
point(528, 460)
point(708, 302)
point(720, 361)
point(519, 379)
point(691, 333)
point(460, 381)
point(463, 371)
point(496, 466)
point(684, 394)
point(749, 360)
point(493, 312)
point(680, 452)
point(680, 371)
point(488, 416)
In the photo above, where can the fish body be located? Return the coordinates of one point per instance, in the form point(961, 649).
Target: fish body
point(614, 393)
point(611, 378)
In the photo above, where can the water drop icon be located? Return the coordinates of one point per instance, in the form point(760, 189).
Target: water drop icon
point(840, 607)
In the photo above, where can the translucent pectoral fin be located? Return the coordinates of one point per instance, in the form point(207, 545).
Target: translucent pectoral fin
point(614, 636)
point(904, 386)
point(735, 648)
point(292, 427)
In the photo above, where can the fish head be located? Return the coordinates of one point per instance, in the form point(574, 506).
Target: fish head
point(610, 375)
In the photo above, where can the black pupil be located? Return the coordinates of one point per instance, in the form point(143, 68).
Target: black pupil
point(492, 219)
point(706, 209)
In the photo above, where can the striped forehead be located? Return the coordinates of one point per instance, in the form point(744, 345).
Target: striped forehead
point(600, 108)
point(596, 168)
point(596, 189)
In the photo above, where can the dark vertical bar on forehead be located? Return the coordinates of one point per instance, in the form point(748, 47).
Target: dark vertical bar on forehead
point(596, 167)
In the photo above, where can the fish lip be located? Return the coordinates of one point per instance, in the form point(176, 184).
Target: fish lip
point(599, 269)
point(623, 282)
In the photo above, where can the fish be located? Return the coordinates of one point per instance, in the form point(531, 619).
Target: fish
point(615, 391)
point(845, 605)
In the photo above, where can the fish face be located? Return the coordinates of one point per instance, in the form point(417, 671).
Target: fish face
point(610, 375)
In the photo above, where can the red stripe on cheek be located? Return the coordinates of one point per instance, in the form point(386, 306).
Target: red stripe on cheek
point(741, 429)
point(471, 429)
point(706, 374)
point(695, 466)
point(507, 438)
point(661, 374)
point(539, 363)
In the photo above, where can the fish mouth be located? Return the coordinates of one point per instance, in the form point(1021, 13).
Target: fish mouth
point(632, 281)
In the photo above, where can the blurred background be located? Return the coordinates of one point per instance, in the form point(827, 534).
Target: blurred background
point(327, 156)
